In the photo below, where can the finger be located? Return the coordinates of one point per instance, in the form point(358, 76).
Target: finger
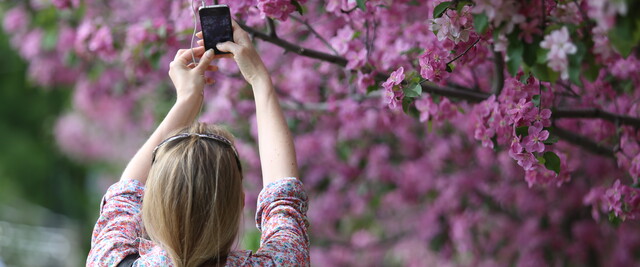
point(199, 34)
point(205, 61)
point(185, 57)
point(200, 42)
point(180, 52)
point(239, 35)
point(191, 65)
point(229, 47)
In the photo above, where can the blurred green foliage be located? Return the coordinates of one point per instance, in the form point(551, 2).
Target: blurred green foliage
point(32, 169)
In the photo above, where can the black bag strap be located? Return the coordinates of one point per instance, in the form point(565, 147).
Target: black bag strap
point(129, 260)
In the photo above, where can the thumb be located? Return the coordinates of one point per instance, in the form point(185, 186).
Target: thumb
point(205, 61)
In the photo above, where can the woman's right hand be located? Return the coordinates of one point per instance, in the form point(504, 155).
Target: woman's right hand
point(245, 55)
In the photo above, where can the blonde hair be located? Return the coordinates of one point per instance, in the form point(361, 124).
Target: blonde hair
point(193, 198)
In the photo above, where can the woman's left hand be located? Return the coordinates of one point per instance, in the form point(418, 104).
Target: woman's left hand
point(189, 78)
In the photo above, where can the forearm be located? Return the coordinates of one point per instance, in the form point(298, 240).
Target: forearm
point(277, 152)
point(182, 114)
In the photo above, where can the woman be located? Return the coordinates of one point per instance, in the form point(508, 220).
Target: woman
point(190, 179)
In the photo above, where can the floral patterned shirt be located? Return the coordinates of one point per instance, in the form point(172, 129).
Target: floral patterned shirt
point(281, 218)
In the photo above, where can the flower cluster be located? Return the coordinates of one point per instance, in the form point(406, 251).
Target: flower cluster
point(393, 93)
point(277, 9)
point(560, 47)
point(623, 201)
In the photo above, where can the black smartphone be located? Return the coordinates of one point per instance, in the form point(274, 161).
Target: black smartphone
point(215, 22)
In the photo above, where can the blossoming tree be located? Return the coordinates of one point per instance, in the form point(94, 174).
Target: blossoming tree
point(481, 133)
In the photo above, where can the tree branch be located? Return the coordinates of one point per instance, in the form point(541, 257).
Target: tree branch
point(498, 73)
point(583, 142)
point(463, 53)
point(314, 32)
point(596, 113)
point(271, 28)
point(469, 95)
point(340, 61)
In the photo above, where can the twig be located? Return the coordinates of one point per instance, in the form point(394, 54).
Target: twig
point(271, 28)
point(596, 113)
point(463, 53)
point(314, 32)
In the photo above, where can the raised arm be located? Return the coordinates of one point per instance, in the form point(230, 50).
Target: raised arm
point(189, 81)
point(277, 153)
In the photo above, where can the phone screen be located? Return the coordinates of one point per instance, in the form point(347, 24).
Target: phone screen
point(216, 26)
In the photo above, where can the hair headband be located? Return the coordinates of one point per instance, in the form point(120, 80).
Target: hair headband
point(214, 137)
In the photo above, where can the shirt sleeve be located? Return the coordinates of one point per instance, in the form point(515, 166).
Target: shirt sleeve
point(282, 219)
point(119, 225)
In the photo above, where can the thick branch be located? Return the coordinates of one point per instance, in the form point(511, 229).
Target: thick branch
point(583, 142)
point(596, 113)
point(340, 61)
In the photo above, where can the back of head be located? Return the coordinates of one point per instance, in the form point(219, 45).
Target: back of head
point(193, 198)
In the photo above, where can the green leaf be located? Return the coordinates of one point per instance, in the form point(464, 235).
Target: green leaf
point(414, 50)
point(362, 5)
point(575, 64)
point(372, 88)
point(620, 36)
point(522, 131)
point(406, 104)
point(514, 53)
point(551, 140)
point(440, 9)
point(544, 73)
point(615, 220)
point(298, 6)
point(450, 67)
point(552, 161)
point(413, 90)
point(536, 100)
point(480, 22)
point(541, 160)
point(530, 53)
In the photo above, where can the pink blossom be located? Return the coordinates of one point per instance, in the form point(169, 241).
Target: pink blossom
point(433, 64)
point(63, 4)
point(102, 43)
point(446, 28)
point(543, 116)
point(534, 141)
point(520, 110)
point(623, 201)
point(484, 134)
point(559, 46)
point(426, 107)
point(15, 20)
point(393, 92)
point(31, 45)
point(277, 9)
point(529, 29)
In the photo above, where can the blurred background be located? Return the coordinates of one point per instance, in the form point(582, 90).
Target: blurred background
point(46, 206)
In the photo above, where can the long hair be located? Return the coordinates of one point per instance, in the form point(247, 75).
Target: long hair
point(193, 198)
